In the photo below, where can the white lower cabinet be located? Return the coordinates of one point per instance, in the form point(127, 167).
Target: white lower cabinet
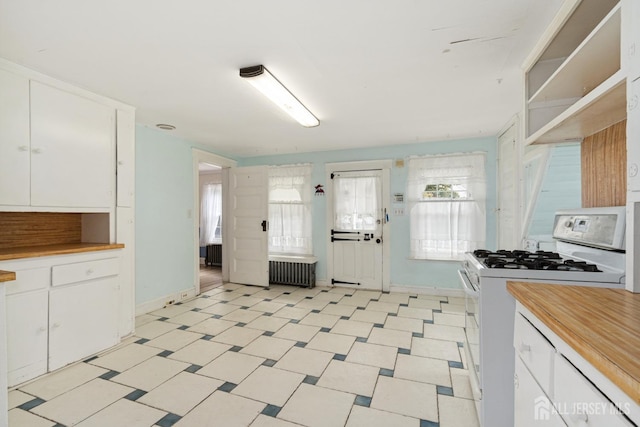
point(532, 406)
point(60, 309)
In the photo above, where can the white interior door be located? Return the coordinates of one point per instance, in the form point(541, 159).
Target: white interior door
point(249, 209)
point(356, 235)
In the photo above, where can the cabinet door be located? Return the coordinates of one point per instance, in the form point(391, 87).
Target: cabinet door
point(27, 335)
point(72, 150)
point(126, 157)
point(633, 136)
point(83, 320)
point(14, 139)
point(532, 406)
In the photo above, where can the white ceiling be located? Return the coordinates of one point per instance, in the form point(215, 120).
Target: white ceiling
point(375, 72)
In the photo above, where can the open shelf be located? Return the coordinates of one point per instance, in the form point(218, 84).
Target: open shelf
point(589, 65)
point(599, 109)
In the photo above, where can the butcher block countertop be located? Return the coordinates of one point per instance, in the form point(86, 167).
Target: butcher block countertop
point(600, 324)
point(6, 276)
point(70, 248)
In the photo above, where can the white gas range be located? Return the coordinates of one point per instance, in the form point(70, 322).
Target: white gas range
point(590, 252)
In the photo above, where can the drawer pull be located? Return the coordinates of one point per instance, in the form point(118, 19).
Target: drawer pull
point(55, 325)
point(581, 418)
point(90, 272)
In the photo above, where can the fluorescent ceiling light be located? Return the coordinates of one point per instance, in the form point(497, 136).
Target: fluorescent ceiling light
point(264, 81)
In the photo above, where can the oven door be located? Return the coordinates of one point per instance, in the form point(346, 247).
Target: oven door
point(472, 335)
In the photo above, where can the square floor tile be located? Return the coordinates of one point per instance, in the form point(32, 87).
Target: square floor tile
point(200, 352)
point(328, 296)
point(390, 337)
point(416, 313)
point(222, 409)
point(269, 385)
point(369, 417)
point(386, 307)
point(81, 402)
point(267, 306)
point(144, 319)
point(373, 355)
point(61, 381)
point(189, 318)
point(349, 377)
point(316, 406)
point(456, 412)
point(171, 310)
point(461, 383)
point(436, 349)
point(226, 296)
point(244, 316)
point(126, 357)
point(154, 329)
point(408, 398)
point(312, 304)
point(266, 421)
point(397, 298)
point(268, 323)
point(220, 309)
point(268, 347)
point(17, 398)
point(181, 393)
point(448, 319)
point(444, 332)
point(232, 367)
point(212, 326)
point(150, 373)
point(354, 301)
point(353, 328)
point(452, 308)
point(292, 313)
point(424, 303)
point(333, 343)
point(200, 303)
point(305, 361)
point(367, 294)
point(288, 299)
point(404, 324)
point(423, 369)
point(338, 310)
point(174, 340)
point(322, 320)
point(369, 316)
point(246, 301)
point(20, 418)
point(124, 413)
point(294, 332)
point(237, 336)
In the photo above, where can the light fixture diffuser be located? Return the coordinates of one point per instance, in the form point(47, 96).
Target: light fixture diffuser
point(270, 87)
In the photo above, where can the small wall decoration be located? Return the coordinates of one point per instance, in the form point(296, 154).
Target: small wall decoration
point(319, 190)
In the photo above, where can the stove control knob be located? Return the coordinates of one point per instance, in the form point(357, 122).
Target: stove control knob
point(568, 224)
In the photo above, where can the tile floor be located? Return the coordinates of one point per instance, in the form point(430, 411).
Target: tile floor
point(246, 356)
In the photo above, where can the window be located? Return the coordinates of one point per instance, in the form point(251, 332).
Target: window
point(290, 210)
point(446, 196)
point(211, 214)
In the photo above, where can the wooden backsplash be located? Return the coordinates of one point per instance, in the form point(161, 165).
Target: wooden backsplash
point(604, 167)
point(22, 229)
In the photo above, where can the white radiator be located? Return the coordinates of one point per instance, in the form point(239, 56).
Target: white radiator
point(292, 270)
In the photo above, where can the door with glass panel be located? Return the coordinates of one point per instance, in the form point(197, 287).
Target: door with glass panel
point(356, 235)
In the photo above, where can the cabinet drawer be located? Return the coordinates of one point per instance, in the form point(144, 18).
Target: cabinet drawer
point(83, 271)
point(29, 280)
point(579, 402)
point(535, 351)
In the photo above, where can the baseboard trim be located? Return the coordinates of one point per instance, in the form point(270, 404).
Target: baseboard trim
point(157, 304)
point(428, 290)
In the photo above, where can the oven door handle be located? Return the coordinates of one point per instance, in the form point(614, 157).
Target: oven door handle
point(467, 285)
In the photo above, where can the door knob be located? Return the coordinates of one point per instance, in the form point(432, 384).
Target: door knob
point(378, 240)
point(265, 225)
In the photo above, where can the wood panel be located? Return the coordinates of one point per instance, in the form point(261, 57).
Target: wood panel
point(27, 229)
point(604, 167)
point(601, 324)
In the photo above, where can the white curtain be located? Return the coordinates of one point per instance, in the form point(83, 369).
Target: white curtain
point(210, 213)
point(356, 204)
point(446, 196)
point(290, 193)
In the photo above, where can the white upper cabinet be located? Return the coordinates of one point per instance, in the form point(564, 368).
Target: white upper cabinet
point(126, 157)
point(14, 139)
point(574, 83)
point(72, 150)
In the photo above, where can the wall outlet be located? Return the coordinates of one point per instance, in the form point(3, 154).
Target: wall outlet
point(184, 295)
point(169, 302)
point(530, 245)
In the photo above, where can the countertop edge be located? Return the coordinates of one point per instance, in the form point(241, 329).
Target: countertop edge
point(41, 251)
point(592, 352)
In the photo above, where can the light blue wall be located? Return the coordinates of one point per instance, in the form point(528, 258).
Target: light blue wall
point(164, 230)
point(560, 189)
point(403, 271)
